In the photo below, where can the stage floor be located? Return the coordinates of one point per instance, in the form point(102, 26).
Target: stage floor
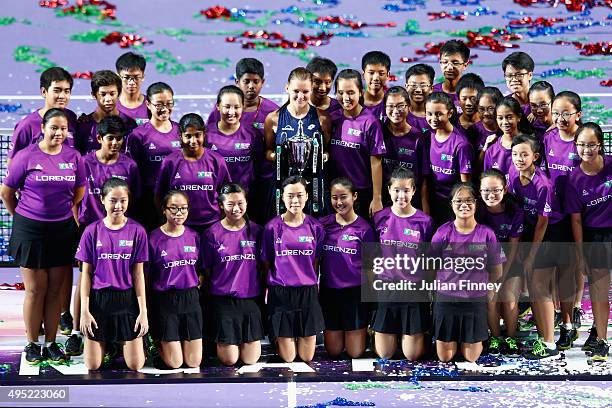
point(568, 381)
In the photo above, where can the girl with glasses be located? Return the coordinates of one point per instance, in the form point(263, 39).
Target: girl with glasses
point(541, 95)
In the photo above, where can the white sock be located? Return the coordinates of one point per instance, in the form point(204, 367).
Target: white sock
point(569, 326)
point(48, 343)
point(76, 332)
point(551, 346)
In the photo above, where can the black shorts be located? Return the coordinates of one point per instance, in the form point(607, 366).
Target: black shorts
point(556, 245)
point(456, 320)
point(176, 315)
point(42, 244)
point(597, 247)
point(115, 312)
point(364, 199)
point(402, 318)
point(343, 309)
point(235, 320)
point(294, 311)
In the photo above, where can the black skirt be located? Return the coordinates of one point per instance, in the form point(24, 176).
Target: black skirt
point(42, 244)
point(235, 320)
point(555, 247)
point(597, 247)
point(176, 315)
point(343, 309)
point(401, 318)
point(460, 321)
point(115, 312)
point(294, 311)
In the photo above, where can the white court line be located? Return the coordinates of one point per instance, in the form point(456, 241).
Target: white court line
point(291, 394)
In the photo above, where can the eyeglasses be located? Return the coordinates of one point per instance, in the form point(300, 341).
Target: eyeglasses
point(564, 115)
point(175, 210)
point(470, 202)
point(541, 106)
point(455, 64)
point(590, 146)
point(490, 109)
point(131, 78)
point(495, 191)
point(418, 86)
point(400, 108)
point(518, 76)
point(160, 106)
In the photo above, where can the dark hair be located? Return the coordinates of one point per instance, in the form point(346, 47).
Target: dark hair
point(249, 66)
point(519, 60)
point(375, 57)
point(322, 65)
point(598, 133)
point(230, 89)
point(471, 81)
point(191, 120)
point(130, 60)
point(443, 98)
point(401, 173)
point(572, 97)
point(543, 86)
point(492, 92)
point(396, 90)
point(421, 69)
point(52, 74)
point(351, 74)
point(158, 87)
point(53, 113)
point(533, 142)
point(300, 73)
point(112, 125)
point(104, 78)
point(523, 126)
point(344, 182)
point(464, 185)
point(455, 47)
point(114, 182)
point(169, 195)
point(230, 188)
point(294, 180)
point(508, 201)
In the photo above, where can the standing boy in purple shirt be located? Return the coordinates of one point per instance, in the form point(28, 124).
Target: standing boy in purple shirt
point(132, 103)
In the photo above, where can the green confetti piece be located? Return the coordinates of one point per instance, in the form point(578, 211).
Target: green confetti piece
point(166, 63)
point(33, 55)
point(92, 36)
point(7, 20)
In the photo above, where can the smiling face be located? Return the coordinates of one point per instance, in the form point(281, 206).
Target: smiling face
point(342, 199)
point(294, 198)
point(437, 115)
point(107, 97)
point(540, 103)
point(467, 99)
point(587, 145)
point(419, 87)
point(230, 108)
point(375, 76)
point(299, 92)
point(452, 66)
point(464, 204)
point(396, 108)
point(55, 131)
point(517, 80)
point(192, 140)
point(321, 85)
point(492, 191)
point(523, 156)
point(507, 120)
point(176, 209)
point(251, 85)
point(348, 94)
point(110, 144)
point(161, 105)
point(401, 192)
point(565, 115)
point(486, 111)
point(116, 202)
point(234, 206)
point(58, 94)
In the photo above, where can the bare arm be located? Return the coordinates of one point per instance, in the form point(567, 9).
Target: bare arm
point(376, 166)
point(270, 126)
point(9, 198)
point(139, 287)
point(87, 320)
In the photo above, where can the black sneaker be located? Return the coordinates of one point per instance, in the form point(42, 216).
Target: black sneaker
point(65, 323)
point(511, 348)
point(74, 345)
point(566, 338)
point(577, 315)
point(600, 352)
point(558, 319)
point(494, 345)
point(541, 352)
point(55, 353)
point(591, 341)
point(524, 309)
point(32, 353)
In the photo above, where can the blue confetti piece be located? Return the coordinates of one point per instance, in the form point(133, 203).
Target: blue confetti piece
point(10, 107)
point(460, 2)
point(340, 402)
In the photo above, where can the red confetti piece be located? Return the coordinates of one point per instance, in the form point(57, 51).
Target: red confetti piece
point(600, 48)
point(607, 82)
point(570, 5)
point(277, 40)
point(442, 15)
point(12, 286)
point(53, 3)
point(528, 22)
point(106, 9)
point(355, 25)
point(216, 12)
point(82, 75)
point(125, 40)
point(392, 77)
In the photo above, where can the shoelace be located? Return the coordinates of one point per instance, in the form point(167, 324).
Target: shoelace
point(494, 342)
point(538, 348)
point(511, 343)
